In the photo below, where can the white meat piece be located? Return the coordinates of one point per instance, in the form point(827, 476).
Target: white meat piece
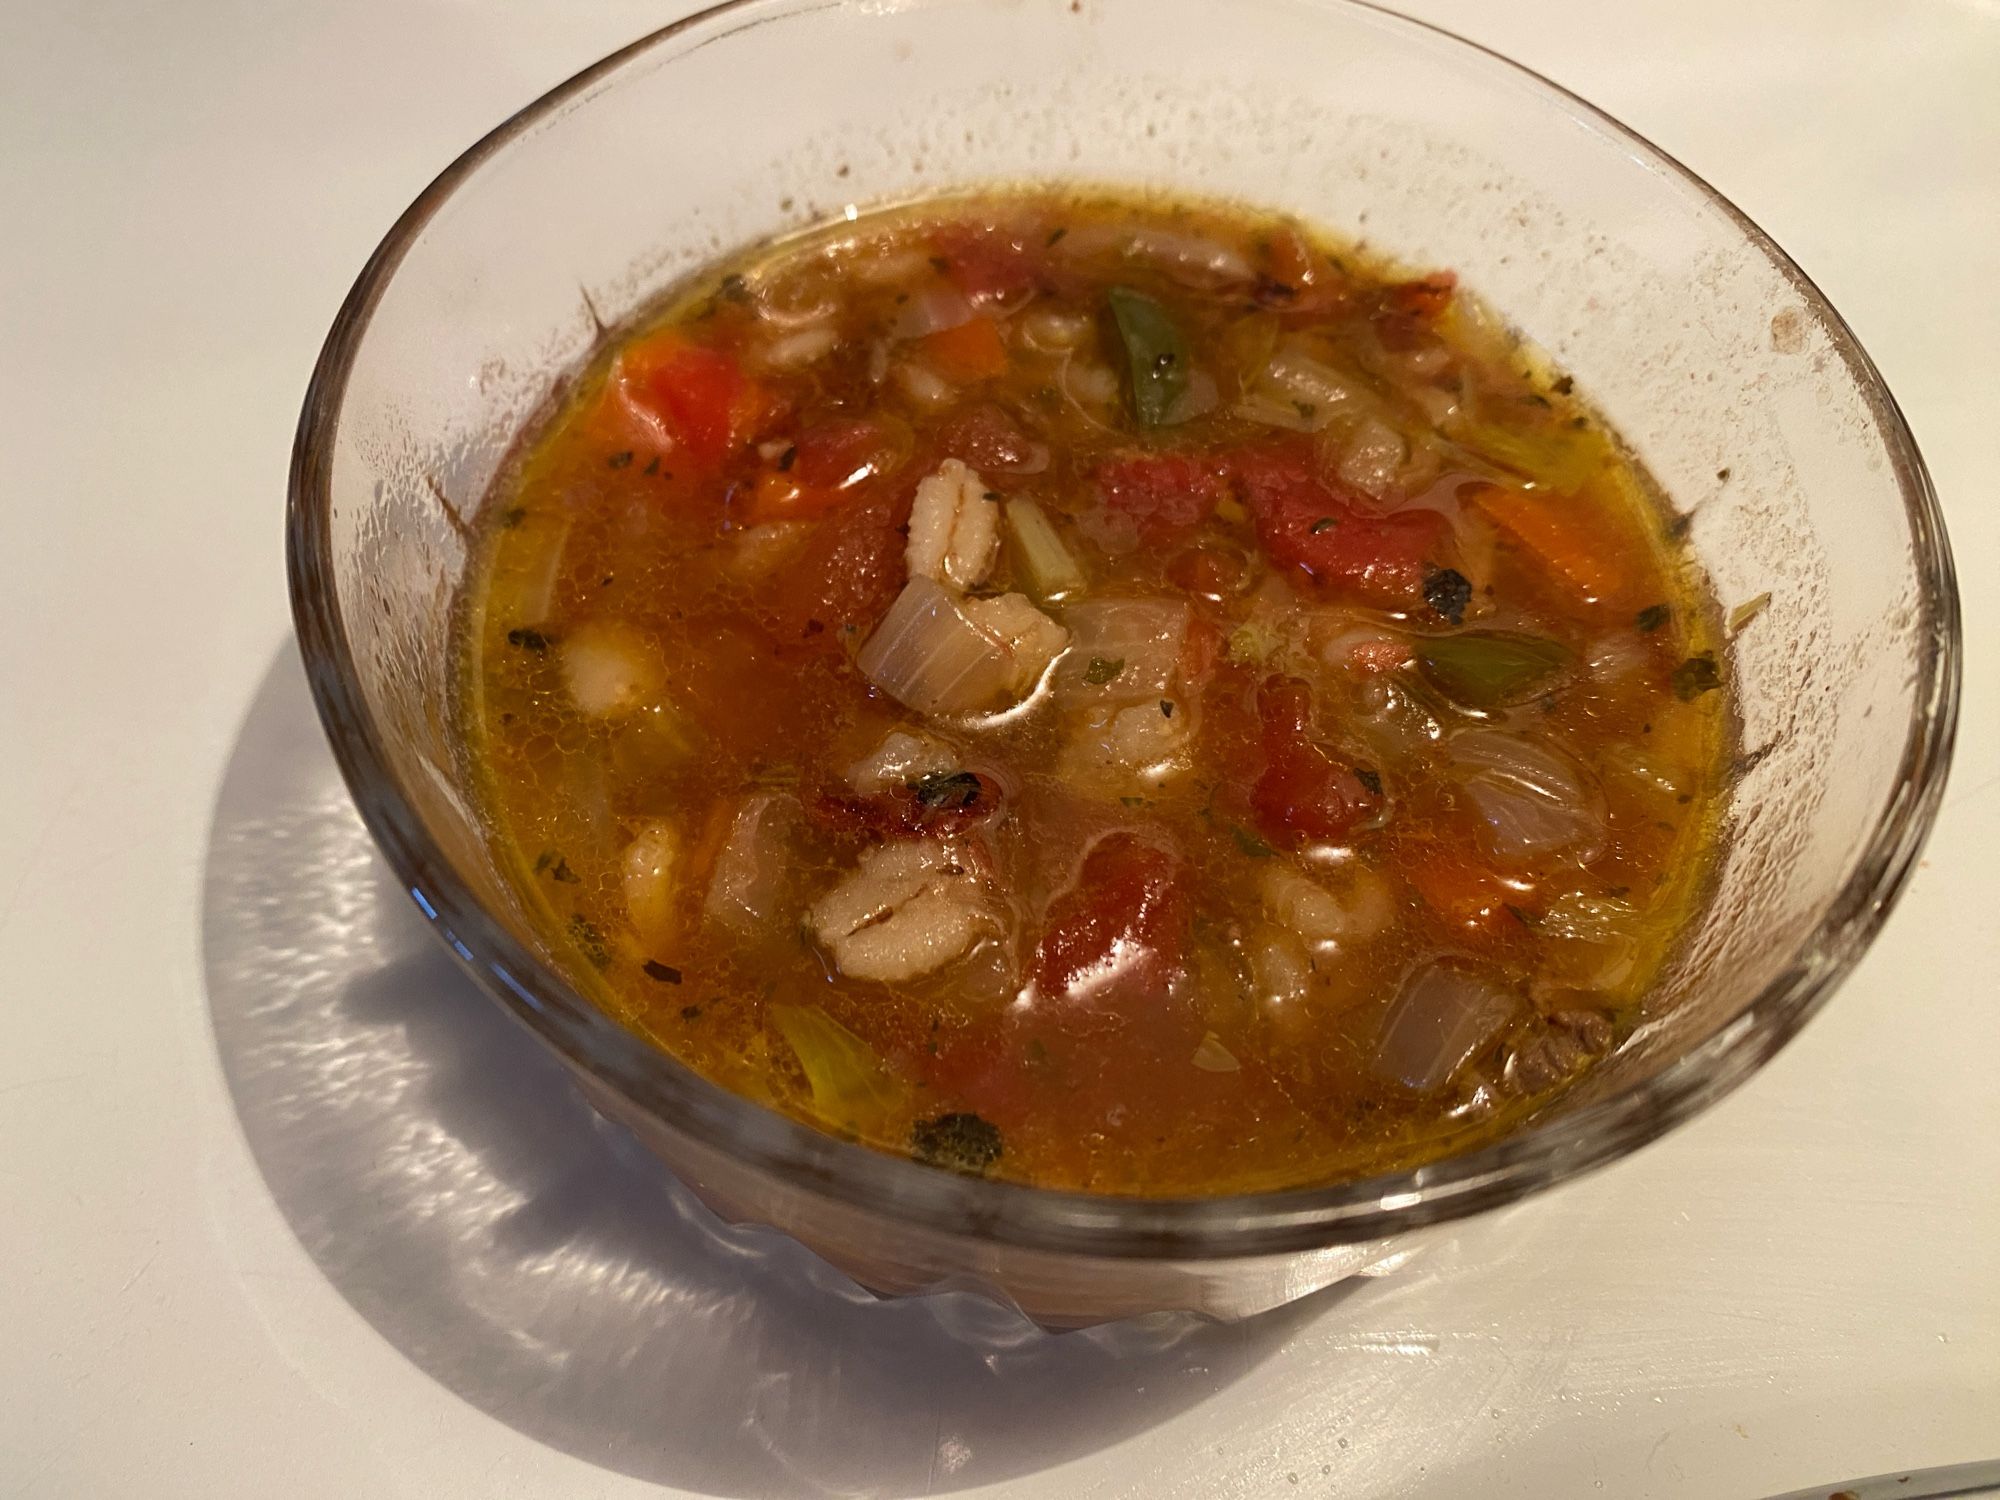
point(901, 758)
point(1117, 748)
point(954, 528)
point(1032, 639)
point(1303, 906)
point(611, 669)
point(650, 878)
point(907, 909)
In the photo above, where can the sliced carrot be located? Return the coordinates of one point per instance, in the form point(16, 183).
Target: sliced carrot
point(1584, 544)
point(972, 351)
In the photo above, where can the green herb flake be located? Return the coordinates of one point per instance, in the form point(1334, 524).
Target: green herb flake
point(1747, 611)
point(789, 457)
point(958, 1142)
point(589, 941)
point(1166, 708)
point(528, 640)
point(1652, 617)
point(1055, 235)
point(1369, 777)
point(620, 459)
point(735, 288)
point(513, 516)
point(1695, 676)
point(1103, 669)
point(1323, 524)
point(1449, 592)
point(690, 1012)
point(946, 790)
point(664, 973)
point(1249, 843)
point(1156, 354)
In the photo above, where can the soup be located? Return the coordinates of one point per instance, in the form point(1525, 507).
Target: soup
point(1107, 693)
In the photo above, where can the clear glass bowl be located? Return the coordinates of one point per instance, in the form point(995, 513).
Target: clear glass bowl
point(1737, 385)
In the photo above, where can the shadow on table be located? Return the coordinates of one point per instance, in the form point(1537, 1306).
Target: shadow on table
point(443, 1173)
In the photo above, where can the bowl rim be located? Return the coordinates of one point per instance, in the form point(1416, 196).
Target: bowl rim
point(1041, 1219)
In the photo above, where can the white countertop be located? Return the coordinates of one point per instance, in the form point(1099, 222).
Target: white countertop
point(286, 1210)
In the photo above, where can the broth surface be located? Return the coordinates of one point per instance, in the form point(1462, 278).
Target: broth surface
point(1103, 692)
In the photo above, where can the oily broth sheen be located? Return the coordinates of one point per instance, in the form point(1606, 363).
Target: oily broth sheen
point(751, 694)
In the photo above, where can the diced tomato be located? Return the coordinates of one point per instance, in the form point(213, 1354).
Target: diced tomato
point(1118, 938)
point(1164, 496)
point(843, 579)
point(1457, 883)
point(819, 470)
point(1206, 572)
point(1304, 523)
point(686, 400)
point(1201, 648)
point(906, 812)
point(1425, 298)
point(991, 441)
point(1304, 794)
point(1297, 277)
point(985, 263)
point(972, 351)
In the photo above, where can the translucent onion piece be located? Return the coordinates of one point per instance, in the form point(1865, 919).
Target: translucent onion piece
point(1444, 1017)
point(928, 656)
point(925, 386)
point(1372, 459)
point(1053, 330)
point(850, 1085)
point(1532, 800)
point(1188, 258)
point(1279, 968)
point(1212, 1057)
point(933, 310)
point(1143, 635)
point(749, 878)
point(1303, 906)
point(799, 348)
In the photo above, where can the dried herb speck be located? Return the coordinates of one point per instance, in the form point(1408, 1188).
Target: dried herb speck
point(1448, 591)
point(528, 640)
point(664, 973)
point(1103, 669)
point(1695, 676)
point(1652, 617)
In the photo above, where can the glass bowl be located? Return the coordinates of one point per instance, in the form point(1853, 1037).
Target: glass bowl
point(1722, 366)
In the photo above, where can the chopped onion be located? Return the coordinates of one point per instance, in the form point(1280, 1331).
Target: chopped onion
point(1052, 572)
point(928, 655)
point(925, 386)
point(610, 669)
point(750, 872)
point(802, 347)
point(1279, 968)
point(1212, 1057)
point(1091, 384)
point(1589, 940)
point(1052, 330)
point(1032, 639)
point(797, 302)
point(1444, 1016)
point(1297, 391)
point(1198, 400)
point(849, 1083)
point(1373, 457)
point(1189, 258)
point(933, 310)
point(1532, 800)
point(1305, 907)
point(889, 267)
point(649, 876)
point(1140, 638)
point(1616, 658)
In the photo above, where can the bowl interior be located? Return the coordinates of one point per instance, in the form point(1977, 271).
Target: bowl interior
point(1720, 365)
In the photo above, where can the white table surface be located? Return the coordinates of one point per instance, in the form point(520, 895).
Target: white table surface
point(285, 1210)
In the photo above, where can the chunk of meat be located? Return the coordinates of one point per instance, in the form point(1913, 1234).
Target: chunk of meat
point(907, 909)
point(1032, 639)
point(1118, 939)
point(1327, 538)
point(901, 758)
point(1304, 793)
point(954, 528)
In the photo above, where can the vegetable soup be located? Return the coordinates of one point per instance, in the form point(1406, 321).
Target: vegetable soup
point(1108, 693)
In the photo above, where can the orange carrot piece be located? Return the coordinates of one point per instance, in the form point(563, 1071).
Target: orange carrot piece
point(972, 351)
point(1583, 544)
